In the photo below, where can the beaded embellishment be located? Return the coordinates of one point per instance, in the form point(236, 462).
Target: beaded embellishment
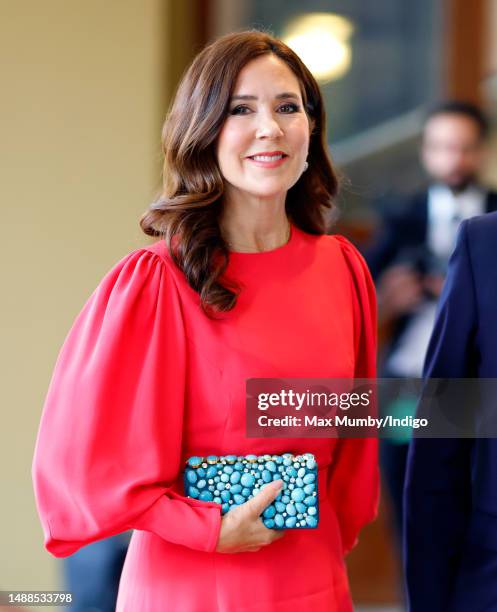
point(231, 480)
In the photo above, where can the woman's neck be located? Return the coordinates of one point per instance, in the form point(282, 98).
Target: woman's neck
point(254, 225)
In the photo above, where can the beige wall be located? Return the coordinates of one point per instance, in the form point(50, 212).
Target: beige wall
point(83, 95)
point(490, 88)
point(490, 41)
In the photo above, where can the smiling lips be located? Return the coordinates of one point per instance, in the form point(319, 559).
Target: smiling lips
point(269, 159)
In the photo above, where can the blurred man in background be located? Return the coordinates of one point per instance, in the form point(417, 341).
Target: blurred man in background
point(408, 257)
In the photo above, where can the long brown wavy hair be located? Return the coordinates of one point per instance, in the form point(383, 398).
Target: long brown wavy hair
point(190, 205)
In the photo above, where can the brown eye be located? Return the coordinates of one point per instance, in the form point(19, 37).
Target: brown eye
point(293, 108)
point(238, 110)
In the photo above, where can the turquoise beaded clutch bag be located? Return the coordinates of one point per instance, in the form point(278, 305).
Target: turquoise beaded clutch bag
point(231, 480)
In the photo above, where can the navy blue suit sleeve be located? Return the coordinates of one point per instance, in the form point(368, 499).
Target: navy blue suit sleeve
point(437, 491)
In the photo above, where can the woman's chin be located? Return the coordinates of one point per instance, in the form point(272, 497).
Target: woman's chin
point(269, 191)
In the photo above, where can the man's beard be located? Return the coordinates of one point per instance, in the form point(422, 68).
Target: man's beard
point(461, 184)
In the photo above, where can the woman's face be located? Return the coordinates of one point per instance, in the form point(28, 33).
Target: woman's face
point(266, 117)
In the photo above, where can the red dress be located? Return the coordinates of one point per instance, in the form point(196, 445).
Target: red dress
point(144, 380)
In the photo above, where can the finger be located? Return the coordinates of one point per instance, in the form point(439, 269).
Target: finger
point(263, 529)
point(268, 535)
point(268, 494)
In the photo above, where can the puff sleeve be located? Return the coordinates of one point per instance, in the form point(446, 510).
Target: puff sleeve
point(353, 483)
point(109, 443)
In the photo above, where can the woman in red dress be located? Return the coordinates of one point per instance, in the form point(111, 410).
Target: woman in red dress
point(242, 283)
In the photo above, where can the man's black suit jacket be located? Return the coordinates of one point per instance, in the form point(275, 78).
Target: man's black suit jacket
point(404, 229)
point(403, 238)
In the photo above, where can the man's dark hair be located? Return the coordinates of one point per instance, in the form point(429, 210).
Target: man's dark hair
point(460, 107)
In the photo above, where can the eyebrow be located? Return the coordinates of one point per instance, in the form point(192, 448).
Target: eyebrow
point(284, 95)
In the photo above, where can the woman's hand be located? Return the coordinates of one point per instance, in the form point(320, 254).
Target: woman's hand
point(242, 529)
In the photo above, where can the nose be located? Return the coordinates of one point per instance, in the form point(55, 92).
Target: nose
point(267, 126)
